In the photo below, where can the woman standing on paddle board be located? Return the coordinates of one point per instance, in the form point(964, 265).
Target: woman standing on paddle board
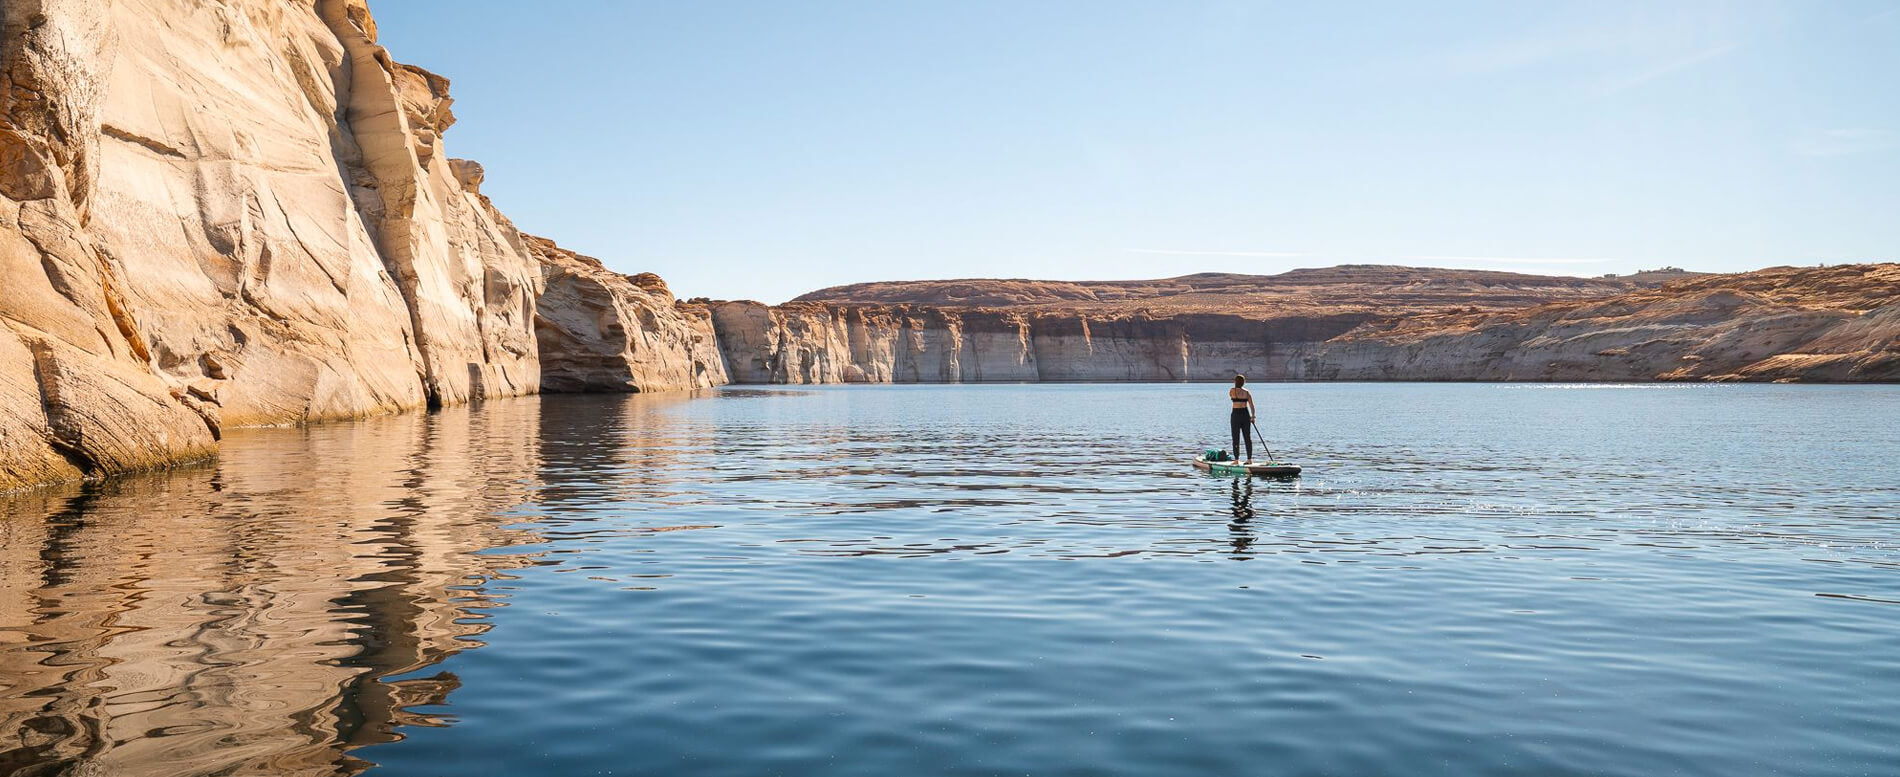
point(1240, 422)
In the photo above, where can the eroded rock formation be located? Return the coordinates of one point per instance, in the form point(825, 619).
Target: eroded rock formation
point(1340, 288)
point(1346, 323)
point(808, 342)
point(1195, 327)
point(1837, 323)
point(78, 394)
point(599, 330)
point(239, 216)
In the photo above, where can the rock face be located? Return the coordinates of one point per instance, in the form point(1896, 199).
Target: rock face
point(1347, 323)
point(464, 272)
point(803, 342)
point(77, 393)
point(1344, 287)
point(599, 330)
point(1195, 327)
point(235, 213)
point(1837, 323)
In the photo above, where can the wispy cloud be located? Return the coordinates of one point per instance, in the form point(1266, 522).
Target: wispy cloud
point(1841, 142)
point(1605, 56)
point(1534, 50)
point(1666, 68)
point(1508, 259)
point(1181, 252)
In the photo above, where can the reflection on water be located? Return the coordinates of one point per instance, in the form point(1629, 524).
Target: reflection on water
point(981, 580)
point(1241, 492)
point(242, 616)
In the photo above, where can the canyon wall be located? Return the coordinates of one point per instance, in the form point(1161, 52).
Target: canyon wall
point(242, 213)
point(1825, 324)
point(809, 342)
point(598, 330)
point(78, 394)
point(297, 247)
point(1816, 324)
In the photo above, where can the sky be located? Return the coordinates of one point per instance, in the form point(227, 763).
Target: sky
point(759, 150)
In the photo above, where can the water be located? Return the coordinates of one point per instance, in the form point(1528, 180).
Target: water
point(1470, 580)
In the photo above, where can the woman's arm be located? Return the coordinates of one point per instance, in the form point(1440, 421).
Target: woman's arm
point(1252, 414)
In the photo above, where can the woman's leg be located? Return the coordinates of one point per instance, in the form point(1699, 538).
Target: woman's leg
point(1233, 427)
point(1246, 431)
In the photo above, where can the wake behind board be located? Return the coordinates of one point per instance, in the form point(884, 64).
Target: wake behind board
point(1278, 468)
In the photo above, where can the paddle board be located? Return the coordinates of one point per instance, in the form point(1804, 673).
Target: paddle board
point(1237, 468)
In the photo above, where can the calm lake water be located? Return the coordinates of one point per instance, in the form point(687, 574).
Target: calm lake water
point(975, 580)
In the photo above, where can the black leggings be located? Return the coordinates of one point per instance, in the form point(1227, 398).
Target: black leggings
point(1241, 424)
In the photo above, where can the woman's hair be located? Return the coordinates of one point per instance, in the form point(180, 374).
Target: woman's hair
point(1240, 380)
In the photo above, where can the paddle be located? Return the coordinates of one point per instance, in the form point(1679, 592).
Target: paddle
point(1262, 437)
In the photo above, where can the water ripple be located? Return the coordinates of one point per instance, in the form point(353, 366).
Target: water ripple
point(1469, 580)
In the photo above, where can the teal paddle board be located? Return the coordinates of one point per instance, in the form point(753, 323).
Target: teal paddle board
point(1277, 468)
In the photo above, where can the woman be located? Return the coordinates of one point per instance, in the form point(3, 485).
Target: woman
point(1240, 421)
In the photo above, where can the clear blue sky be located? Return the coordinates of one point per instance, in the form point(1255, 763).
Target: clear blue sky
point(763, 149)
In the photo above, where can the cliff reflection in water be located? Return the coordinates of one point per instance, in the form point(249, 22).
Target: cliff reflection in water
point(246, 615)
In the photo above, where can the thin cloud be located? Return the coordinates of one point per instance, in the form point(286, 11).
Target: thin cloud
point(1534, 50)
point(1508, 259)
point(1179, 252)
point(1842, 142)
point(1611, 57)
point(1668, 68)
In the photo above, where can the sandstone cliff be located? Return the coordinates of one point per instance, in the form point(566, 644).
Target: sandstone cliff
point(1837, 323)
point(1341, 288)
point(599, 330)
point(234, 213)
point(820, 343)
point(804, 342)
point(1345, 323)
point(78, 392)
point(1195, 327)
